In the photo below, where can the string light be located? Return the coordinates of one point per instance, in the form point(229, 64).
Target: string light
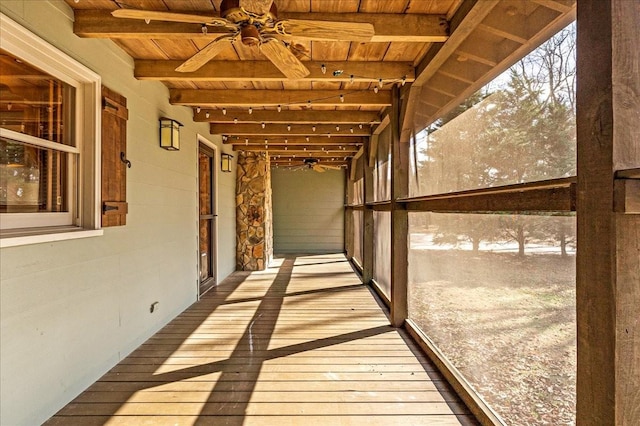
point(279, 108)
point(250, 110)
point(380, 83)
point(313, 128)
point(198, 109)
point(342, 98)
point(375, 89)
point(147, 21)
point(360, 126)
point(235, 120)
point(263, 125)
point(288, 127)
point(351, 129)
point(307, 138)
point(246, 141)
point(207, 114)
point(323, 68)
point(404, 80)
point(224, 111)
point(204, 29)
point(337, 73)
point(337, 128)
point(351, 79)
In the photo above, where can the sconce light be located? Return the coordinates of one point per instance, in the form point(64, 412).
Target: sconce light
point(170, 134)
point(225, 162)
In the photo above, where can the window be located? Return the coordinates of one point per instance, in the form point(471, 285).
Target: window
point(49, 118)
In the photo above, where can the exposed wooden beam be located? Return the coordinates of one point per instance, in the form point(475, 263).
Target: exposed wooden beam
point(352, 118)
point(273, 98)
point(469, 16)
point(289, 150)
point(418, 28)
point(265, 71)
point(294, 140)
point(326, 130)
point(562, 6)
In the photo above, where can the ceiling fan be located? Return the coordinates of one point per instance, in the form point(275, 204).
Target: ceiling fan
point(313, 164)
point(256, 23)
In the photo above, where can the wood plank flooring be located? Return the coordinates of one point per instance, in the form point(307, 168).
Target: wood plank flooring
point(303, 343)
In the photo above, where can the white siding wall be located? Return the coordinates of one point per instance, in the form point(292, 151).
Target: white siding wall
point(308, 211)
point(70, 310)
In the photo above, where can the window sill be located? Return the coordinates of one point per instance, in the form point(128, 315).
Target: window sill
point(26, 237)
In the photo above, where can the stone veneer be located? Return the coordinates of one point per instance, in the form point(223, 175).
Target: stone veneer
point(254, 223)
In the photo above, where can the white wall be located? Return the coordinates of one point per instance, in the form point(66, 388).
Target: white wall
point(308, 211)
point(70, 310)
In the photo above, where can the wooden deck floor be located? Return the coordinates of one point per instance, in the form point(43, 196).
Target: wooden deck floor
point(303, 343)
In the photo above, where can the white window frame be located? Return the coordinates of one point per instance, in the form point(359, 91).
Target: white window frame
point(83, 218)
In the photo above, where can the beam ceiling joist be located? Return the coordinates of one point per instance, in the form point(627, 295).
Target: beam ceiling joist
point(265, 71)
point(273, 98)
point(295, 140)
point(326, 130)
point(420, 28)
point(287, 150)
point(353, 118)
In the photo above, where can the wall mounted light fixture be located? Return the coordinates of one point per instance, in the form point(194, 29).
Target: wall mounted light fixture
point(225, 162)
point(170, 134)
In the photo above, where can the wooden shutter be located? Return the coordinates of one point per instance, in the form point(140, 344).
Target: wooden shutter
point(114, 158)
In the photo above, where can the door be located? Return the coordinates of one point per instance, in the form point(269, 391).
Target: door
point(207, 220)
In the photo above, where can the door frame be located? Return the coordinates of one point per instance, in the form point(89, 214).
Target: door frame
point(214, 188)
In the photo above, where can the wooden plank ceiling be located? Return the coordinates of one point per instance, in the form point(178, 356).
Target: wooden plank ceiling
point(437, 51)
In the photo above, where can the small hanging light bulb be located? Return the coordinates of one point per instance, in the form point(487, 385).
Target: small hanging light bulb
point(351, 130)
point(279, 108)
point(263, 125)
point(286, 148)
point(9, 106)
point(235, 120)
point(224, 111)
point(207, 114)
point(375, 89)
point(313, 128)
point(380, 83)
point(323, 68)
point(404, 80)
point(329, 135)
point(304, 148)
point(309, 103)
point(307, 138)
point(204, 29)
point(351, 78)
point(250, 110)
point(198, 109)
point(147, 21)
point(337, 128)
point(342, 98)
point(288, 127)
point(360, 126)
point(286, 141)
point(246, 141)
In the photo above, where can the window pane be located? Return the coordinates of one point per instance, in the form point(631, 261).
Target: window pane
point(496, 294)
point(32, 179)
point(358, 223)
point(35, 103)
point(382, 251)
point(519, 128)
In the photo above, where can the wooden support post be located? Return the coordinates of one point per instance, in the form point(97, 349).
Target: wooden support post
point(367, 243)
point(608, 260)
point(399, 217)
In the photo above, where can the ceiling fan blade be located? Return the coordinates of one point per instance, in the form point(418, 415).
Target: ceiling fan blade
point(283, 59)
point(317, 168)
point(327, 30)
point(156, 15)
point(195, 62)
point(330, 167)
point(259, 7)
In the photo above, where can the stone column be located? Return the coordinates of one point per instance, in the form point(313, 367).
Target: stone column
point(254, 224)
